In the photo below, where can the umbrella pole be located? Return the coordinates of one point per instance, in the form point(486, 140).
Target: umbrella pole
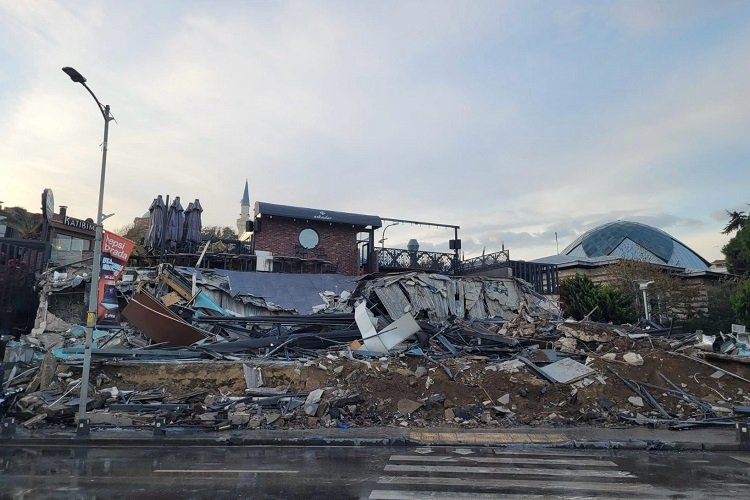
point(164, 232)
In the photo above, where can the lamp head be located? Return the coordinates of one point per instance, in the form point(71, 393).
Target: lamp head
point(74, 75)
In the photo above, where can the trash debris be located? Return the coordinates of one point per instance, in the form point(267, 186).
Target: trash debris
point(409, 349)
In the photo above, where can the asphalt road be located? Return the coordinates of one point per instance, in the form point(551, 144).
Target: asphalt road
point(365, 472)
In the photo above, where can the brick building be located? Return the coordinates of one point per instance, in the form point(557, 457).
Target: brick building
point(310, 235)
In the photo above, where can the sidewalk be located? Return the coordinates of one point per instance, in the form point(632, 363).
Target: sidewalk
point(709, 439)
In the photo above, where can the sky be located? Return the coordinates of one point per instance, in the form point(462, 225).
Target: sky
point(516, 120)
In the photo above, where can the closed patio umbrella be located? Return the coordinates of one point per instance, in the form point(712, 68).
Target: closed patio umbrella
point(193, 224)
point(155, 224)
point(175, 223)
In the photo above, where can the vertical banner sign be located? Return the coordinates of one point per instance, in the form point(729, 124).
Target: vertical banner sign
point(115, 253)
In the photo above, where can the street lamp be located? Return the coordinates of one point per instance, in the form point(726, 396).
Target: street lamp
point(91, 316)
point(643, 286)
point(382, 239)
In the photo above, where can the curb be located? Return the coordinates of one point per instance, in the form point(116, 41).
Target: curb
point(403, 440)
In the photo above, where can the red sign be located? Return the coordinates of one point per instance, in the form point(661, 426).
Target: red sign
point(115, 254)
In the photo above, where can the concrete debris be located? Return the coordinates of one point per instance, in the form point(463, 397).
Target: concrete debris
point(635, 401)
point(633, 358)
point(567, 370)
point(407, 406)
point(313, 401)
point(409, 349)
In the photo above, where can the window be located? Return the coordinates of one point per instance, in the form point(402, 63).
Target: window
point(68, 249)
point(309, 238)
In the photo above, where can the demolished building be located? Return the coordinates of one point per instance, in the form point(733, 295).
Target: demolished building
point(406, 349)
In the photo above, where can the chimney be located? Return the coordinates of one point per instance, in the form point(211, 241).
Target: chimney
point(63, 211)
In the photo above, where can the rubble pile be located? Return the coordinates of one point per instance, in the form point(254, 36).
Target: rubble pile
point(409, 349)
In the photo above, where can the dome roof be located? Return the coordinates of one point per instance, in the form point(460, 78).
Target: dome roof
point(636, 241)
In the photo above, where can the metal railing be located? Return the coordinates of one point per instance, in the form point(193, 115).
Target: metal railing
point(543, 277)
point(485, 262)
point(396, 259)
point(21, 262)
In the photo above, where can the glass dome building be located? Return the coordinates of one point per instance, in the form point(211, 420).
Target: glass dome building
point(634, 241)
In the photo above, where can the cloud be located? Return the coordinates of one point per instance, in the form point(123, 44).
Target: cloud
point(513, 120)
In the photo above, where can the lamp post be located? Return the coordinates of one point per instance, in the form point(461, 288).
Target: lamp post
point(382, 239)
point(91, 316)
point(643, 286)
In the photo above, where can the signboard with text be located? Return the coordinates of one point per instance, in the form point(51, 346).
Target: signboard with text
point(115, 254)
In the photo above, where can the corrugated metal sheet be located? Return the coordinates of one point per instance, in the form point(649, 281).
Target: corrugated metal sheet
point(158, 322)
point(272, 291)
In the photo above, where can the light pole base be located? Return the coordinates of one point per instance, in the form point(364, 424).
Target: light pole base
point(84, 427)
point(160, 427)
point(8, 427)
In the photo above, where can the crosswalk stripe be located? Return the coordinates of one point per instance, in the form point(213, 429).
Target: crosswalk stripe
point(504, 460)
point(565, 453)
point(529, 486)
point(447, 495)
point(507, 470)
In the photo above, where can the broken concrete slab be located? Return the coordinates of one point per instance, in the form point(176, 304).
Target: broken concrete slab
point(567, 370)
point(407, 406)
point(313, 401)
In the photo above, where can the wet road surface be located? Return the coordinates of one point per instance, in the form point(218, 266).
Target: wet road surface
point(361, 472)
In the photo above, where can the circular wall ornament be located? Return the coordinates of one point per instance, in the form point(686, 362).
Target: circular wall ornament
point(309, 238)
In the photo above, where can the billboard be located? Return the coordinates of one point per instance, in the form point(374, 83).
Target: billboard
point(115, 254)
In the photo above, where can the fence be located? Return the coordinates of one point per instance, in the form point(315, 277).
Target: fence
point(21, 261)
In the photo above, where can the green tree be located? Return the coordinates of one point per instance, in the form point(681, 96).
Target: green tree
point(582, 297)
point(737, 221)
point(23, 223)
point(741, 301)
point(737, 252)
point(223, 233)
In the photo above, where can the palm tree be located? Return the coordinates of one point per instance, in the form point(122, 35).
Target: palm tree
point(24, 223)
point(736, 222)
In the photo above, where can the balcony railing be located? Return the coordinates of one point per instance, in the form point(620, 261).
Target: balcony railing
point(396, 259)
point(485, 262)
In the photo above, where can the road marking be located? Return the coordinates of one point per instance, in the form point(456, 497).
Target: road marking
point(486, 437)
point(526, 485)
point(447, 495)
point(505, 460)
point(565, 453)
point(463, 451)
point(227, 471)
point(507, 470)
